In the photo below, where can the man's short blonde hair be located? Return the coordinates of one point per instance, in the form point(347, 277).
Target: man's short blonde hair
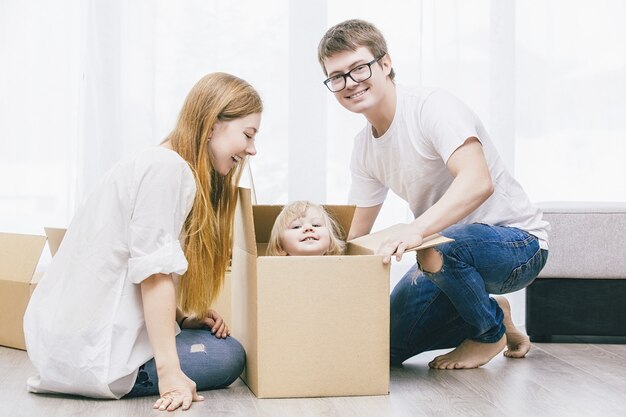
point(295, 210)
point(350, 35)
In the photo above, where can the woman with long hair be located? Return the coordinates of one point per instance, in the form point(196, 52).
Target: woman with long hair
point(124, 307)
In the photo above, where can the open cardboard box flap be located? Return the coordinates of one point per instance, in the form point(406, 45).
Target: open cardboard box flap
point(19, 255)
point(374, 240)
point(55, 237)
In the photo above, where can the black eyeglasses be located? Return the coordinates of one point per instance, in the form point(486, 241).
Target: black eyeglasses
point(358, 74)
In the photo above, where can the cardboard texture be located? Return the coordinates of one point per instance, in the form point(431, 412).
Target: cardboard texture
point(372, 241)
point(19, 255)
point(55, 237)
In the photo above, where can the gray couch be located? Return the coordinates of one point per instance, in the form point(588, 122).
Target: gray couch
point(582, 289)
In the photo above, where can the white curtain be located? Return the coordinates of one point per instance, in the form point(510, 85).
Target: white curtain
point(571, 99)
point(39, 66)
point(84, 83)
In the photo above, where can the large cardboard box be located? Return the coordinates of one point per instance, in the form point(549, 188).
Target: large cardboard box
point(19, 255)
point(312, 326)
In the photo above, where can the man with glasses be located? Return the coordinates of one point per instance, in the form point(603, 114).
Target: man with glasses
point(431, 150)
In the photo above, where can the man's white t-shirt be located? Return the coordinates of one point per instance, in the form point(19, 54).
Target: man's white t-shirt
point(84, 326)
point(410, 159)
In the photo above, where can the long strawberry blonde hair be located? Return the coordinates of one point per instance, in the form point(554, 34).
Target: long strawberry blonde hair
point(208, 228)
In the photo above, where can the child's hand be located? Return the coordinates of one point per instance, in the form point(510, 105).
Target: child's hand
point(213, 321)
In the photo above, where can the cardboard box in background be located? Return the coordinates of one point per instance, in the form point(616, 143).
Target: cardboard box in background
point(19, 255)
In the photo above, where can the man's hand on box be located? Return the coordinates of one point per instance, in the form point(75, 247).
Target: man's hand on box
point(407, 239)
point(213, 321)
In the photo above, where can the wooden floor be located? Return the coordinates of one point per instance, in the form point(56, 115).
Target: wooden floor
point(556, 379)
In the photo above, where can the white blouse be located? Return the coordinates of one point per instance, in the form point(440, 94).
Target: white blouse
point(84, 326)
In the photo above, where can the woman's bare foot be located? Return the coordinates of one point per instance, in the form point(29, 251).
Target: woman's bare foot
point(469, 354)
point(518, 343)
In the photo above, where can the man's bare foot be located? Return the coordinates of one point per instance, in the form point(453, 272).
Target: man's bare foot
point(518, 343)
point(469, 354)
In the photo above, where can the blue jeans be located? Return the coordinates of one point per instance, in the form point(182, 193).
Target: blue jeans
point(440, 310)
point(210, 362)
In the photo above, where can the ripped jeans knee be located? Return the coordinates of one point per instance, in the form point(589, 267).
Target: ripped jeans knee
point(429, 261)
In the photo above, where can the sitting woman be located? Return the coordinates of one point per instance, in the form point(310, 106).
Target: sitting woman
point(143, 258)
point(305, 229)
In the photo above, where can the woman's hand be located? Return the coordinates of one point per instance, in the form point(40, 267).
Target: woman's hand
point(213, 321)
point(159, 305)
point(176, 390)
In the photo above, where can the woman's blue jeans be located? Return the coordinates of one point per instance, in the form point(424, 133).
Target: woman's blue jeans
point(210, 362)
point(441, 309)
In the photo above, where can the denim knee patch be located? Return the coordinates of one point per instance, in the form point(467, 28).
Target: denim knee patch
point(420, 267)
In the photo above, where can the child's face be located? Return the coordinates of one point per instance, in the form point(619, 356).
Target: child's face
point(231, 141)
point(307, 235)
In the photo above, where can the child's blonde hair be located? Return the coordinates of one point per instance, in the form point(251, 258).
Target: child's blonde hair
point(295, 210)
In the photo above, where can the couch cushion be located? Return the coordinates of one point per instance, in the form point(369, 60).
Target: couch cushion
point(587, 240)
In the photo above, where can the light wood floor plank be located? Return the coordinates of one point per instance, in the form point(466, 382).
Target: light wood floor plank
point(589, 393)
point(554, 380)
point(512, 386)
point(601, 361)
point(437, 392)
point(617, 350)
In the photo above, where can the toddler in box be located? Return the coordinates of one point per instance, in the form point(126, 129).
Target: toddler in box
point(305, 229)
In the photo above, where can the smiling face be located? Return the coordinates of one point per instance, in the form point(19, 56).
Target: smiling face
point(364, 96)
point(233, 140)
point(306, 235)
